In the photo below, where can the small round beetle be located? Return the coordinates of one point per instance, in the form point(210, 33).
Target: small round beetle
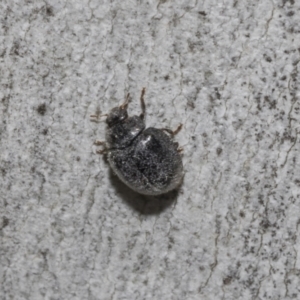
point(146, 160)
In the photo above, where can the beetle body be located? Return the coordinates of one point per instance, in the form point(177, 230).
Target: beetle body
point(146, 160)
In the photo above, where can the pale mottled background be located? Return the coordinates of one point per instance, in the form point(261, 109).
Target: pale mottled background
point(229, 71)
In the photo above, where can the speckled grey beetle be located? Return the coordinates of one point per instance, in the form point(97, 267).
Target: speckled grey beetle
point(146, 160)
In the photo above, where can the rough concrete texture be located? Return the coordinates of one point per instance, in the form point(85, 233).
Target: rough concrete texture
point(229, 71)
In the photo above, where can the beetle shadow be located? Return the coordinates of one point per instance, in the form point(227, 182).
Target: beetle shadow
point(144, 204)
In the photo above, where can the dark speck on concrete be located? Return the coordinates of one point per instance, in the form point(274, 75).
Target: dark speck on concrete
point(49, 11)
point(5, 222)
point(42, 109)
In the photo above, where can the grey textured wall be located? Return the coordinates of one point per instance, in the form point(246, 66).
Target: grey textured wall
point(229, 71)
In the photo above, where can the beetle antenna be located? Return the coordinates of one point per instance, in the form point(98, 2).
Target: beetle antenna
point(143, 105)
point(125, 104)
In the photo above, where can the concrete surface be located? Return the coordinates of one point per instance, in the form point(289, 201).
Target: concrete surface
point(229, 71)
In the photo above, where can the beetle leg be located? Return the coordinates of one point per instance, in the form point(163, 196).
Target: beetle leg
point(177, 129)
point(168, 130)
point(101, 143)
point(178, 148)
point(173, 132)
point(103, 151)
point(95, 117)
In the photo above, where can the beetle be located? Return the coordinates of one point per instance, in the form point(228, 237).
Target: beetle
point(146, 159)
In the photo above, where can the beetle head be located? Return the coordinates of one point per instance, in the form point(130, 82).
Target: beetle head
point(118, 114)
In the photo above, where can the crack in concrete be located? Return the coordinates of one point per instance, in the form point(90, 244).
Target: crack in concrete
point(269, 20)
point(215, 263)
